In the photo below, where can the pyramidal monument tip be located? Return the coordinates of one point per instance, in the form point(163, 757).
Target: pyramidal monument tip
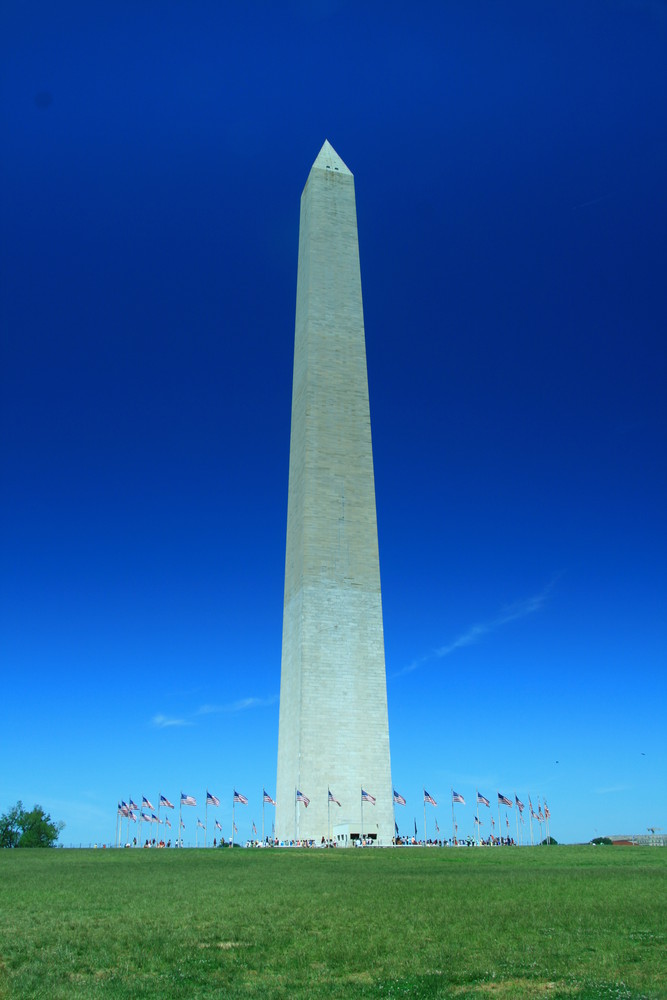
point(328, 159)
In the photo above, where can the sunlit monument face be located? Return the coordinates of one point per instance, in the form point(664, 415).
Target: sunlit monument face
point(334, 731)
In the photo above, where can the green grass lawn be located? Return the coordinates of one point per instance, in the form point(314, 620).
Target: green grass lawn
point(494, 923)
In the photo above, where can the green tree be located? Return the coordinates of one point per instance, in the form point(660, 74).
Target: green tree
point(10, 826)
point(20, 827)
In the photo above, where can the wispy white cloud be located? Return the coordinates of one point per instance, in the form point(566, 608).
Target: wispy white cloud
point(244, 703)
point(238, 706)
point(511, 613)
point(164, 722)
point(612, 790)
point(241, 705)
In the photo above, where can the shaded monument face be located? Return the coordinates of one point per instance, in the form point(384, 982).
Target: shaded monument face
point(334, 731)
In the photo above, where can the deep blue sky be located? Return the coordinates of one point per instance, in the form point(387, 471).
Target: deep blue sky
point(510, 164)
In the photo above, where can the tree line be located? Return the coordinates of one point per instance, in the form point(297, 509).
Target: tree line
point(34, 827)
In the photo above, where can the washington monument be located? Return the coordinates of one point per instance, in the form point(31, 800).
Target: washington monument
point(334, 731)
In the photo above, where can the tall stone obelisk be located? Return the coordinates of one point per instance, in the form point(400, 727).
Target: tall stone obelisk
point(334, 730)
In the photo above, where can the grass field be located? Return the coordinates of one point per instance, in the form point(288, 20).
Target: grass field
point(494, 923)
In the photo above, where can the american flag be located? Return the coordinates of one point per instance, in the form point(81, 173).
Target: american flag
point(200, 824)
point(482, 800)
point(507, 820)
point(398, 799)
point(133, 804)
point(429, 798)
point(217, 825)
point(300, 797)
point(458, 798)
point(236, 829)
point(437, 828)
point(145, 804)
point(503, 800)
point(267, 798)
point(477, 820)
point(254, 828)
point(182, 825)
point(122, 808)
point(240, 798)
point(132, 816)
point(188, 800)
point(146, 817)
point(212, 799)
point(547, 811)
point(168, 823)
point(332, 798)
point(154, 819)
point(367, 797)
point(540, 817)
point(493, 823)
point(164, 801)
point(519, 804)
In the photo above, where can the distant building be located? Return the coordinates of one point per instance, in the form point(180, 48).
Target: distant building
point(639, 840)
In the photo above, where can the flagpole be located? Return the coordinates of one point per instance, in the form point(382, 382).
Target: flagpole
point(530, 819)
point(539, 821)
point(546, 821)
point(424, 817)
point(517, 819)
point(500, 823)
point(296, 820)
point(117, 815)
point(180, 822)
point(362, 818)
point(206, 818)
point(477, 798)
point(539, 813)
point(453, 820)
point(393, 809)
point(328, 816)
point(262, 814)
point(233, 821)
point(159, 794)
